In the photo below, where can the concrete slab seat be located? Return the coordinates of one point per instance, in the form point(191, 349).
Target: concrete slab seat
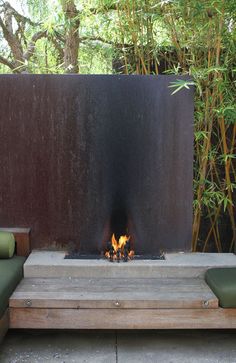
point(222, 281)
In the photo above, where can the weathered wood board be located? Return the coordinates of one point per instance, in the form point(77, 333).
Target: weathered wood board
point(113, 293)
point(24, 318)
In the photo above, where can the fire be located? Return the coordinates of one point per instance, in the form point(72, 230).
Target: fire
point(119, 244)
point(120, 249)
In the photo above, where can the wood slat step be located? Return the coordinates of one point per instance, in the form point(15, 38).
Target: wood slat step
point(23, 318)
point(80, 293)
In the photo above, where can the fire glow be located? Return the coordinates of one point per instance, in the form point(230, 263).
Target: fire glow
point(119, 250)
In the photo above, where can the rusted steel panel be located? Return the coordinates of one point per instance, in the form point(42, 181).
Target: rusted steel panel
point(77, 152)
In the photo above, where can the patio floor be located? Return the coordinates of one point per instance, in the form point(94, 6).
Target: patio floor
point(119, 347)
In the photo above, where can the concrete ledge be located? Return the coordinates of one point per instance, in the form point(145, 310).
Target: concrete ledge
point(52, 264)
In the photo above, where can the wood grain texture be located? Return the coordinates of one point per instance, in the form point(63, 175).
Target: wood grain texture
point(22, 237)
point(4, 324)
point(113, 293)
point(122, 319)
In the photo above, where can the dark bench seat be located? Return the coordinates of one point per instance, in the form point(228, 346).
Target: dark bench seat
point(11, 272)
point(222, 281)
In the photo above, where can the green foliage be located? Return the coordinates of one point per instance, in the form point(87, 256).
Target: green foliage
point(180, 84)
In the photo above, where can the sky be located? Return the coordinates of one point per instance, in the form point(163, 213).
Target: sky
point(17, 4)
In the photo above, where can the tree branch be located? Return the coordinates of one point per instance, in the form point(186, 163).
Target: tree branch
point(13, 36)
point(7, 63)
point(72, 16)
point(103, 9)
point(31, 46)
point(19, 18)
point(100, 39)
point(59, 49)
point(12, 41)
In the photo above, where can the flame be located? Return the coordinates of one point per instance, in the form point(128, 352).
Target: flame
point(119, 245)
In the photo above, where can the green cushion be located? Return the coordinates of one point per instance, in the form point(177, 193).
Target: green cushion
point(11, 272)
point(222, 281)
point(7, 244)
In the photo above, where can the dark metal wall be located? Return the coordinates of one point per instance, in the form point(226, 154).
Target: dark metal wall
point(79, 153)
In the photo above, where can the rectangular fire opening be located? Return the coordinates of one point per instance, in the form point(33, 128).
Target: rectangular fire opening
point(120, 246)
point(110, 155)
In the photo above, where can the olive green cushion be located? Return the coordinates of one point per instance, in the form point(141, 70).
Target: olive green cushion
point(222, 281)
point(7, 244)
point(11, 272)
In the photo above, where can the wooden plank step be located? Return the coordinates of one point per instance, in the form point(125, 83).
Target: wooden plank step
point(23, 318)
point(83, 293)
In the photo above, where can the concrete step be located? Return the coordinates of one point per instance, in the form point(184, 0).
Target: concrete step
point(51, 264)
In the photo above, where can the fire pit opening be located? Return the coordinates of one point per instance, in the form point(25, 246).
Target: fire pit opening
point(119, 247)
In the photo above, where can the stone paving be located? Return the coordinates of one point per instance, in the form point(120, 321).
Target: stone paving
point(119, 347)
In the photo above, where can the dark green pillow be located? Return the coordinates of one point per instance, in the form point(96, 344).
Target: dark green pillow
point(222, 281)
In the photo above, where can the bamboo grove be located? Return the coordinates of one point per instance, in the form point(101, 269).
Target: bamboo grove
point(195, 37)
